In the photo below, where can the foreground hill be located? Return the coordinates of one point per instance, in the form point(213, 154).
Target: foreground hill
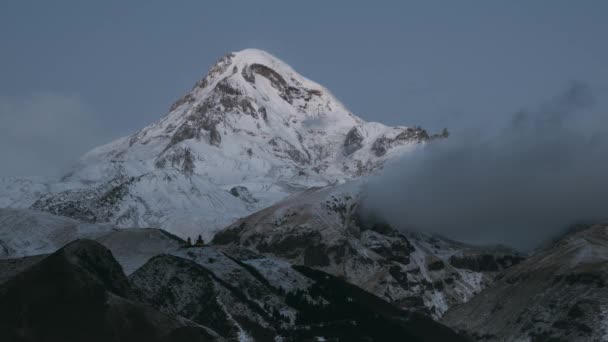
point(79, 293)
point(196, 294)
point(29, 233)
point(324, 228)
point(559, 294)
point(26, 232)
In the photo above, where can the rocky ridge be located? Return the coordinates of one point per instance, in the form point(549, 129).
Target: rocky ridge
point(324, 229)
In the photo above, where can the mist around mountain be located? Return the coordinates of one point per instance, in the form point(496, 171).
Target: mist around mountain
point(521, 185)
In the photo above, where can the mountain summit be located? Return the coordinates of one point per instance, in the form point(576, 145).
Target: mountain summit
point(255, 116)
point(250, 133)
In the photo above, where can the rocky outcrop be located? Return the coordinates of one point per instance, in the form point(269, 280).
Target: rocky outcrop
point(180, 159)
point(353, 141)
point(216, 70)
point(243, 193)
point(286, 91)
point(284, 148)
point(215, 138)
point(89, 205)
point(408, 135)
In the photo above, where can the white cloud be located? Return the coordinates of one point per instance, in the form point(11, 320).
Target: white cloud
point(521, 186)
point(40, 134)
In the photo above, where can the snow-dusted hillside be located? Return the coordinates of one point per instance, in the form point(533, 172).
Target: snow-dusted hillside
point(193, 294)
point(79, 293)
point(233, 290)
point(27, 232)
point(16, 192)
point(322, 228)
point(250, 133)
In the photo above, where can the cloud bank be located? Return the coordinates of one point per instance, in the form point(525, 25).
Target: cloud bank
point(42, 133)
point(547, 169)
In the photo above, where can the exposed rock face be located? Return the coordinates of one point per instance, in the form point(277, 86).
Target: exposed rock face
point(321, 228)
point(353, 141)
point(98, 204)
point(243, 193)
point(79, 293)
point(215, 138)
point(181, 159)
point(384, 143)
point(284, 148)
point(180, 287)
point(559, 294)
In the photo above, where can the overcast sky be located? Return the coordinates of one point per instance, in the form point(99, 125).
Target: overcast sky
point(75, 74)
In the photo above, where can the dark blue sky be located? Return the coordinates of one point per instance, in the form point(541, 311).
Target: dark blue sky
point(118, 65)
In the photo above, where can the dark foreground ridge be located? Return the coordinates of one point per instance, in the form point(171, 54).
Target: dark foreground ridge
point(80, 293)
point(329, 307)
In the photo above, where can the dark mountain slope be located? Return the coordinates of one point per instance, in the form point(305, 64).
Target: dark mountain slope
point(80, 293)
point(241, 294)
point(559, 294)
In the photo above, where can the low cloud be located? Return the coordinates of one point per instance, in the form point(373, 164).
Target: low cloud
point(41, 134)
point(547, 169)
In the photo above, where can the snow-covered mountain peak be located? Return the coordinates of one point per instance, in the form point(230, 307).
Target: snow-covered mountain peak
point(253, 70)
point(262, 79)
point(254, 111)
point(251, 132)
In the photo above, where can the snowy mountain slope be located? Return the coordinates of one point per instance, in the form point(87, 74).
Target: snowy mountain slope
point(250, 133)
point(322, 228)
point(22, 192)
point(559, 294)
point(27, 232)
